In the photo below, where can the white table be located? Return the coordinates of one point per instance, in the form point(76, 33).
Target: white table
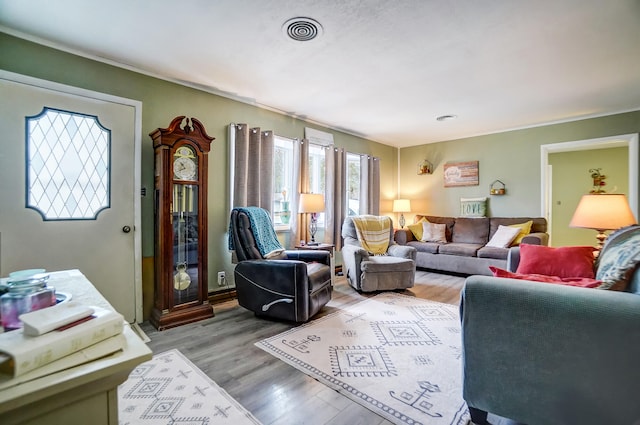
point(85, 394)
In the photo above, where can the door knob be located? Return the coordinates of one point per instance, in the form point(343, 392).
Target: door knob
point(126, 229)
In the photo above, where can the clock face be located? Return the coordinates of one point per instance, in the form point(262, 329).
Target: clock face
point(185, 164)
point(184, 168)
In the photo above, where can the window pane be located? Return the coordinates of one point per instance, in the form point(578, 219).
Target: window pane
point(68, 165)
point(353, 184)
point(316, 169)
point(317, 174)
point(282, 180)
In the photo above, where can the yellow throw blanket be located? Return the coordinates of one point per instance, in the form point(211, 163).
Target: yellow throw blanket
point(373, 233)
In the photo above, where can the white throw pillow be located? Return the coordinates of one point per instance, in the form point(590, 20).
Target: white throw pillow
point(433, 232)
point(503, 237)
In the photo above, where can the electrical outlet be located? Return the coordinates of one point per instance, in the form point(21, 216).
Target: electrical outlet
point(221, 278)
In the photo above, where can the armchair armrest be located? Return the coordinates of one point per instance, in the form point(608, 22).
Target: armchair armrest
point(402, 251)
point(352, 257)
point(309, 255)
point(275, 287)
point(355, 254)
point(274, 275)
point(513, 258)
point(543, 353)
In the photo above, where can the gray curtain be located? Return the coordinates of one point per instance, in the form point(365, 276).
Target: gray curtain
point(369, 185)
point(335, 197)
point(252, 167)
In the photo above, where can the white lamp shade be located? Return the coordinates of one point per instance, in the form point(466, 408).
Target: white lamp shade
point(603, 212)
point(311, 203)
point(401, 205)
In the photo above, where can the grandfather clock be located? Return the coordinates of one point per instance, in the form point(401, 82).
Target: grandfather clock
point(181, 284)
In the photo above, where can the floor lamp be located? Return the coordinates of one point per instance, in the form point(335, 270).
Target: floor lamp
point(601, 212)
point(312, 203)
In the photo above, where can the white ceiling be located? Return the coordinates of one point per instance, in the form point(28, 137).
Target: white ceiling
point(381, 69)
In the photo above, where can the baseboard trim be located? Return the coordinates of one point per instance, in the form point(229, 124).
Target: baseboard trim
point(224, 295)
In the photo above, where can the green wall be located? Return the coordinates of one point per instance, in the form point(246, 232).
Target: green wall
point(512, 157)
point(572, 179)
point(162, 101)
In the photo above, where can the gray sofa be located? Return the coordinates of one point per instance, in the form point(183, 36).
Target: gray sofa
point(542, 353)
point(465, 251)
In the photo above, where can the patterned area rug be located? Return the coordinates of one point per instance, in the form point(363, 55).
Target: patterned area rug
point(399, 356)
point(169, 389)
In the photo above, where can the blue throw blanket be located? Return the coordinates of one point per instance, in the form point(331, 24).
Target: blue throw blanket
point(263, 231)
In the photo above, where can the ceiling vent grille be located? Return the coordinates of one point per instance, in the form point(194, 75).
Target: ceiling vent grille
point(302, 29)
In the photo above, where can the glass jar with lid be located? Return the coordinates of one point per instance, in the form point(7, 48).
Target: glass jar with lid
point(25, 294)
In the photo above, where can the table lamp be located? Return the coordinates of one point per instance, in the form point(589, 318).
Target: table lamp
point(312, 203)
point(606, 211)
point(401, 206)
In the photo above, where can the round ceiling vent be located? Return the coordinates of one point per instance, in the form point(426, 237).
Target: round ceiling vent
point(302, 29)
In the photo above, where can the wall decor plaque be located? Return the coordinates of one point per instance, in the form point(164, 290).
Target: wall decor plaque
point(461, 174)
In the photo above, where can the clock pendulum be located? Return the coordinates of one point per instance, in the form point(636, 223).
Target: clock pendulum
point(182, 280)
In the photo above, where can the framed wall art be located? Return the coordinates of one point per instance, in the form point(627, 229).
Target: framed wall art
point(461, 174)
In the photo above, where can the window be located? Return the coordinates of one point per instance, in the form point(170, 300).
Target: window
point(317, 174)
point(68, 160)
point(282, 181)
point(353, 184)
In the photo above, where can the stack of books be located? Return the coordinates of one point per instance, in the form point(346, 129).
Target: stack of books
point(58, 338)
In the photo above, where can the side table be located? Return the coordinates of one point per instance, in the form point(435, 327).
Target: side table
point(86, 393)
point(331, 248)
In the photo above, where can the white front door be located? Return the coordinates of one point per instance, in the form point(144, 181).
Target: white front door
point(67, 194)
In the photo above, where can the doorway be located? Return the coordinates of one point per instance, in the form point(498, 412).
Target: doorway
point(628, 141)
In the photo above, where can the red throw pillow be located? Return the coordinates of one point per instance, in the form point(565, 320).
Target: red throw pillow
point(565, 261)
point(570, 281)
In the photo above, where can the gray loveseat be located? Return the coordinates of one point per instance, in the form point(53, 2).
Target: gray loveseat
point(542, 353)
point(465, 251)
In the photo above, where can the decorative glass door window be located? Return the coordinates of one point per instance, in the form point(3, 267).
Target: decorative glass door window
point(68, 158)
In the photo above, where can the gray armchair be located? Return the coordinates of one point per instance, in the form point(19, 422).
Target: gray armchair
point(541, 353)
point(366, 272)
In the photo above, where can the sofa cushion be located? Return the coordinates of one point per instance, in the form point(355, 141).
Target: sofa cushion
point(416, 228)
point(565, 261)
point(491, 252)
point(526, 223)
point(429, 247)
point(471, 230)
point(538, 224)
point(434, 232)
point(386, 264)
point(503, 237)
point(583, 282)
point(449, 221)
point(619, 258)
point(524, 228)
point(462, 249)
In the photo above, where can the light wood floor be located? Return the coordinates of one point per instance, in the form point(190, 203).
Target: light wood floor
point(273, 391)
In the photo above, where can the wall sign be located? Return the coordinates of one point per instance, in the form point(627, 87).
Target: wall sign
point(461, 174)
